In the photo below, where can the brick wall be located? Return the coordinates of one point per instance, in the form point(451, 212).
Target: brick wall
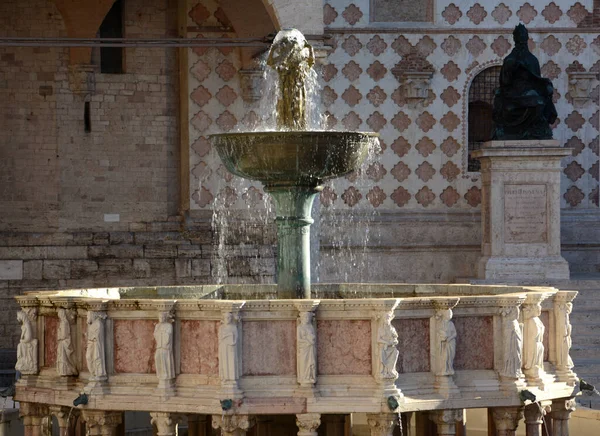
point(54, 175)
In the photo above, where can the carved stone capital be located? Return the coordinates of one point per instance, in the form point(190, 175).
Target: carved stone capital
point(306, 305)
point(308, 423)
point(233, 425)
point(446, 420)
point(562, 408)
point(166, 423)
point(507, 418)
point(382, 424)
point(101, 422)
point(32, 413)
point(534, 414)
point(64, 414)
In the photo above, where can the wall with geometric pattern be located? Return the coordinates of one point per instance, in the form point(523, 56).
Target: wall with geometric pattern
point(422, 163)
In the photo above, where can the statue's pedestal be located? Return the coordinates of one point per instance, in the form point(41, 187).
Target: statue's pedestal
point(520, 211)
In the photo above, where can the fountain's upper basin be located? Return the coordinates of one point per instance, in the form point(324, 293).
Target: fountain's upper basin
point(293, 157)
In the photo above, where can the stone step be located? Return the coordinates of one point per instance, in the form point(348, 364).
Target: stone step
point(582, 339)
point(587, 367)
point(589, 402)
point(585, 352)
point(580, 316)
point(585, 329)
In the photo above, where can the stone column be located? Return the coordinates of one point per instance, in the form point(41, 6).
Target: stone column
point(233, 425)
point(560, 413)
point(446, 420)
point(166, 423)
point(506, 420)
point(66, 417)
point(382, 424)
point(33, 415)
point(534, 418)
point(102, 422)
point(308, 423)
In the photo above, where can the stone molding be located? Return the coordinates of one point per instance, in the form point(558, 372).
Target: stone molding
point(233, 425)
point(308, 423)
point(382, 424)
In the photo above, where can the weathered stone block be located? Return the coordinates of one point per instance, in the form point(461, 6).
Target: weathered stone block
point(11, 269)
point(81, 269)
point(189, 251)
point(141, 268)
point(160, 238)
point(32, 269)
point(200, 267)
point(56, 269)
point(116, 251)
point(100, 238)
point(160, 251)
point(183, 267)
point(119, 238)
point(115, 266)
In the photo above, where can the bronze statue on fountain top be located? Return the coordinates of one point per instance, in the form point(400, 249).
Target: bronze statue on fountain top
point(523, 107)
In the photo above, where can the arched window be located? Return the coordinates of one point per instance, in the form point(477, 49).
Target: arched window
point(481, 101)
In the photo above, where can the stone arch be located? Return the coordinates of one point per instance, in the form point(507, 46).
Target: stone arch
point(465, 109)
point(306, 15)
point(82, 20)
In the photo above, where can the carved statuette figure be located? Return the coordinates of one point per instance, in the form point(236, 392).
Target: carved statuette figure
point(95, 356)
point(228, 338)
point(65, 365)
point(163, 356)
point(563, 327)
point(446, 340)
point(512, 338)
point(387, 340)
point(292, 57)
point(523, 107)
point(533, 356)
point(27, 350)
point(306, 339)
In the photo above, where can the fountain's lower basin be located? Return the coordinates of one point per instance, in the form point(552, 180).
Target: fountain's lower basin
point(306, 158)
point(348, 353)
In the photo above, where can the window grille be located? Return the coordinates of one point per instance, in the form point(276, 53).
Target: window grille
point(481, 103)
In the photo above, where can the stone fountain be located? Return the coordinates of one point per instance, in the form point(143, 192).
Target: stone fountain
point(247, 359)
point(293, 162)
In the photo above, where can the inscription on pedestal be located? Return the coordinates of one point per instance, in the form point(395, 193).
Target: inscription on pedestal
point(525, 217)
point(402, 11)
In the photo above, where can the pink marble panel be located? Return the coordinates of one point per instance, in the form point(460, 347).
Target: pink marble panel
point(474, 342)
point(344, 347)
point(134, 346)
point(50, 340)
point(413, 345)
point(199, 347)
point(545, 318)
point(269, 348)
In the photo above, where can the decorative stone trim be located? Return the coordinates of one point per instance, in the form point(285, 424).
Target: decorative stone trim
point(507, 419)
point(446, 420)
point(308, 423)
point(166, 423)
point(101, 422)
point(581, 84)
point(233, 425)
point(382, 424)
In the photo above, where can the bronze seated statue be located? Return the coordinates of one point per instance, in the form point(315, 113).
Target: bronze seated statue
point(523, 107)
